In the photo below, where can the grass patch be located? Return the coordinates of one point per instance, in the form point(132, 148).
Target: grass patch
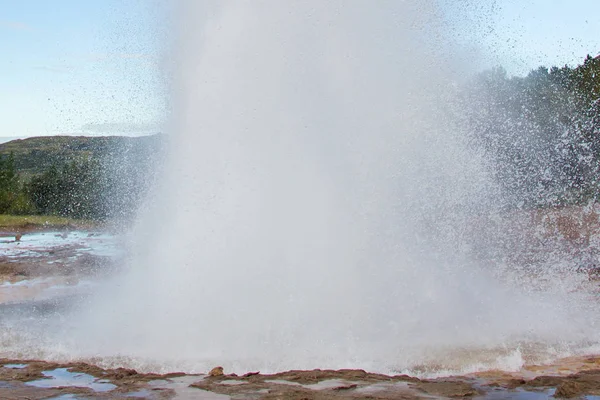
point(42, 221)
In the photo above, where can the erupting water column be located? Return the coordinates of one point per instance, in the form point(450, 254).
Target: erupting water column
point(314, 209)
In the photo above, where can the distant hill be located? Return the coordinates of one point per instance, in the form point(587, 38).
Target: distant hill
point(35, 155)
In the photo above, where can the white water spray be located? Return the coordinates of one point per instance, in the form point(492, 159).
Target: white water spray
point(318, 205)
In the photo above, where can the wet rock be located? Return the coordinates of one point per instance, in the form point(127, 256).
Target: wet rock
point(216, 371)
point(545, 381)
point(582, 383)
point(123, 373)
point(291, 394)
point(317, 375)
point(345, 387)
point(568, 389)
point(173, 375)
point(454, 389)
point(296, 385)
point(515, 383)
point(406, 378)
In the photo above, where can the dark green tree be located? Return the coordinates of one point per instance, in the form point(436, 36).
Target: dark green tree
point(541, 131)
point(9, 184)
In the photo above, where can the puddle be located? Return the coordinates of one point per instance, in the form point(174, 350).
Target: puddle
point(61, 377)
point(39, 244)
point(42, 289)
point(160, 383)
point(199, 394)
point(65, 397)
point(232, 383)
point(181, 386)
point(329, 384)
point(518, 394)
point(323, 385)
point(25, 282)
point(15, 366)
point(56, 255)
point(282, 382)
point(378, 387)
point(142, 394)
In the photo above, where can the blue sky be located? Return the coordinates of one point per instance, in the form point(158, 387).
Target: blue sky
point(529, 33)
point(94, 66)
point(72, 66)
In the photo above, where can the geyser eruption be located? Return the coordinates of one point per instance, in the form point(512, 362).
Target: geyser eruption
point(319, 204)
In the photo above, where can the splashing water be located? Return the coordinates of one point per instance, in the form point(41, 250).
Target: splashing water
point(322, 207)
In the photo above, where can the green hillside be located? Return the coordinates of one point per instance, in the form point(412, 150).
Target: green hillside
point(35, 155)
point(77, 177)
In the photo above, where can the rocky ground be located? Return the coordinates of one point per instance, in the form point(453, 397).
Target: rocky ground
point(39, 253)
point(42, 380)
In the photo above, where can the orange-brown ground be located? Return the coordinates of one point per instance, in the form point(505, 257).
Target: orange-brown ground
point(559, 379)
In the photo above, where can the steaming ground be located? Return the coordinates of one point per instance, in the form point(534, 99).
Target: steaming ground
point(561, 324)
point(48, 330)
point(322, 207)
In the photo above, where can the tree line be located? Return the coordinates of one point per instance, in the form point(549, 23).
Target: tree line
point(86, 188)
point(541, 133)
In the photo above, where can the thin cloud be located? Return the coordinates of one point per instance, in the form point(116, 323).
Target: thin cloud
point(16, 26)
